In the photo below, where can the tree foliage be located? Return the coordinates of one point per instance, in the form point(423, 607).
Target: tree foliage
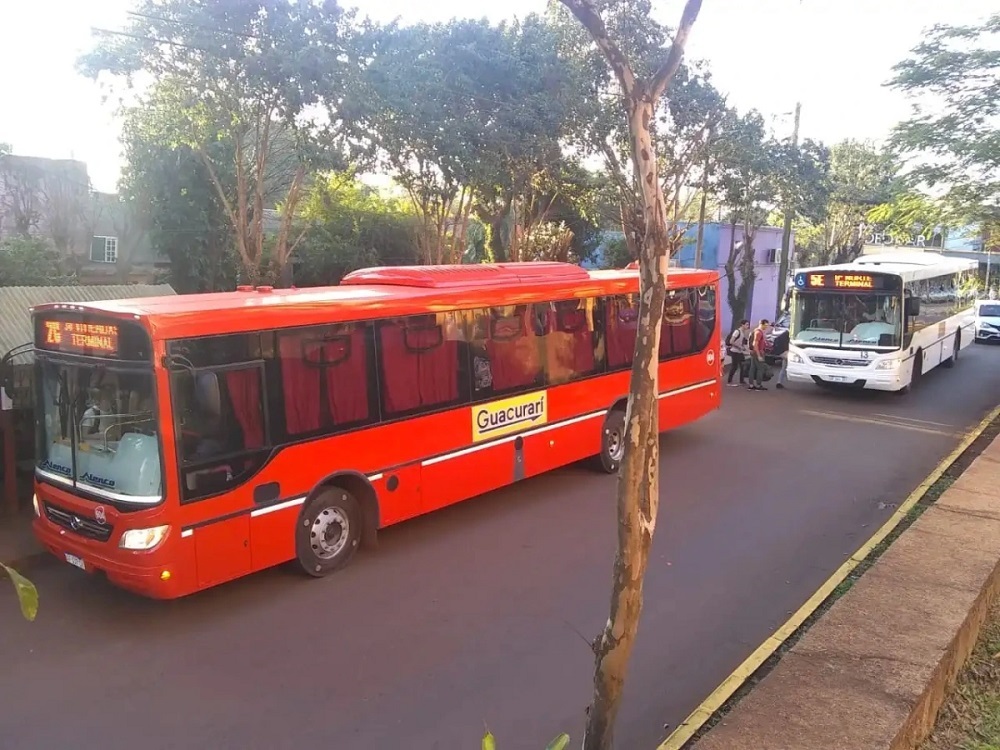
point(468, 117)
point(32, 261)
point(953, 78)
point(170, 186)
point(351, 227)
point(251, 73)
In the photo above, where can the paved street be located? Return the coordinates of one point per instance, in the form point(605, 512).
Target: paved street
point(479, 614)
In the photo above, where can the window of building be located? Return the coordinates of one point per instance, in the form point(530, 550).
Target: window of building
point(326, 377)
point(104, 249)
point(507, 349)
point(423, 363)
point(569, 340)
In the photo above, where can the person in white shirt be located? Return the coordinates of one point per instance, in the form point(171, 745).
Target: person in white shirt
point(738, 347)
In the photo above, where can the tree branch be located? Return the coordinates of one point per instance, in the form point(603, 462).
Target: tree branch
point(663, 76)
point(587, 14)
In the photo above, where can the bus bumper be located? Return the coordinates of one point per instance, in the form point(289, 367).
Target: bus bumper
point(142, 576)
point(866, 378)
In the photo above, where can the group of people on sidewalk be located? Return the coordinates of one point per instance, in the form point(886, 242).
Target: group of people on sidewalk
point(747, 350)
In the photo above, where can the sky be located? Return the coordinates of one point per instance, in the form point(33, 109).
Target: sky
point(832, 55)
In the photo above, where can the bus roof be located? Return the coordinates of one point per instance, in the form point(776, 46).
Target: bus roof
point(911, 266)
point(379, 292)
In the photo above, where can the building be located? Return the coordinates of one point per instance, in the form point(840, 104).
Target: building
point(717, 241)
point(101, 237)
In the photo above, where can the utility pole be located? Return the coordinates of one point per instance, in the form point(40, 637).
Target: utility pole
point(786, 235)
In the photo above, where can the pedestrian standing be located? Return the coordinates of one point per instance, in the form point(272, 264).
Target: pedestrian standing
point(757, 364)
point(780, 349)
point(738, 346)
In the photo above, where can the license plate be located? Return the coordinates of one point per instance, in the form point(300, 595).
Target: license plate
point(74, 560)
point(836, 378)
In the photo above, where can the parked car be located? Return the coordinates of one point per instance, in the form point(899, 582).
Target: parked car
point(987, 321)
point(780, 327)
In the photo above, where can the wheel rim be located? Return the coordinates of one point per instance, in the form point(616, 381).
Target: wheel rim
point(329, 533)
point(616, 444)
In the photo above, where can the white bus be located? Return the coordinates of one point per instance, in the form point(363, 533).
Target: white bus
point(881, 321)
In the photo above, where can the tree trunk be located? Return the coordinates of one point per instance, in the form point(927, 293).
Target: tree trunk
point(638, 478)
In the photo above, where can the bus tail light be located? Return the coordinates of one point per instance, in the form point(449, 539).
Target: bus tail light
point(143, 539)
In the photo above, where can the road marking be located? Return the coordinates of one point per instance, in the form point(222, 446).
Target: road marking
point(913, 420)
point(880, 422)
point(697, 719)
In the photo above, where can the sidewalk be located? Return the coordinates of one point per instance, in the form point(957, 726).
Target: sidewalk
point(874, 670)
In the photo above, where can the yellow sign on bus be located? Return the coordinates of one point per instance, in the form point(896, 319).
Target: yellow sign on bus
point(503, 417)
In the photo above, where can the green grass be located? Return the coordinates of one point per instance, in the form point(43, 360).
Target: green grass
point(970, 717)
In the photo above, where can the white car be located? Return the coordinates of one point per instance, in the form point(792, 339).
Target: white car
point(987, 321)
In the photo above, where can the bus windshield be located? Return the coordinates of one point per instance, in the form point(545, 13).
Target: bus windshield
point(97, 430)
point(836, 319)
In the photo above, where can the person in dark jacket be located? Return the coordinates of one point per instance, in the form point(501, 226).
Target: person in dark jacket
point(780, 350)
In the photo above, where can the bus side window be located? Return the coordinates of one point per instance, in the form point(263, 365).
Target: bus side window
point(221, 429)
point(326, 382)
point(424, 364)
point(621, 321)
point(705, 316)
point(677, 335)
point(569, 340)
point(507, 355)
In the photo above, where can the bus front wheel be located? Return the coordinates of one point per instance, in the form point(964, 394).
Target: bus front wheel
point(328, 532)
point(918, 367)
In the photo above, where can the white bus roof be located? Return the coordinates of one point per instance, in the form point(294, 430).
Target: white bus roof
point(911, 266)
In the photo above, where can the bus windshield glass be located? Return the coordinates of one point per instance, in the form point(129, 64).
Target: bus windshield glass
point(98, 431)
point(850, 320)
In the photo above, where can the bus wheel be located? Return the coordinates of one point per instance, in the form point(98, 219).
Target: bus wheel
point(612, 441)
point(328, 532)
point(918, 366)
point(956, 348)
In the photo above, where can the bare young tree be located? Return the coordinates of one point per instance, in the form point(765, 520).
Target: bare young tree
point(638, 477)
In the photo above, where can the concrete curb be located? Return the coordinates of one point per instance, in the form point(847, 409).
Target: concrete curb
point(876, 668)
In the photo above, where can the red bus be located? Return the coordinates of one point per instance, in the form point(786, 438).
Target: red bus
point(186, 441)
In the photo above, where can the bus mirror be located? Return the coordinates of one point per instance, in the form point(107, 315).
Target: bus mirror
point(912, 306)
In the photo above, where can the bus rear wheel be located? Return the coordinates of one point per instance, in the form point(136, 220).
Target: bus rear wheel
point(612, 441)
point(328, 532)
point(956, 348)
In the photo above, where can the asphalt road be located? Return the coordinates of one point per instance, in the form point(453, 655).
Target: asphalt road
point(478, 615)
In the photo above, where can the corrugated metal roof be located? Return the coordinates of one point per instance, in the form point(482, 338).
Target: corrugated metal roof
point(15, 301)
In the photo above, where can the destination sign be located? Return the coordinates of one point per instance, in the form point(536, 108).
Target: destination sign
point(75, 337)
point(843, 281)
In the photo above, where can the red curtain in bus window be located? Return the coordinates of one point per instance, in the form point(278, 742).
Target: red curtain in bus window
point(513, 351)
point(569, 345)
point(678, 319)
point(300, 383)
point(437, 363)
point(623, 318)
point(244, 394)
point(420, 365)
point(345, 359)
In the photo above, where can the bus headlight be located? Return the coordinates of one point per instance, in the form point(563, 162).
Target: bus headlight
point(36, 506)
point(796, 358)
point(142, 539)
point(888, 364)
